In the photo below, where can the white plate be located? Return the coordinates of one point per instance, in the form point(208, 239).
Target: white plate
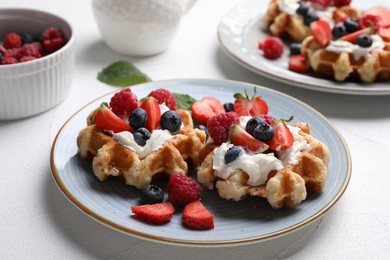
point(247, 221)
point(240, 31)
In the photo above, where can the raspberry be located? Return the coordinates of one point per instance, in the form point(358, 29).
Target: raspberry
point(219, 126)
point(27, 58)
point(268, 119)
point(182, 190)
point(164, 96)
point(30, 49)
point(53, 39)
point(9, 60)
point(272, 47)
point(15, 52)
point(339, 3)
point(12, 40)
point(124, 102)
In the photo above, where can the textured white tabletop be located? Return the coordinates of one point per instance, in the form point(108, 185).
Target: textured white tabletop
point(38, 222)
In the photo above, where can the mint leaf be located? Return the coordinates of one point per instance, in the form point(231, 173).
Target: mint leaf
point(123, 74)
point(184, 101)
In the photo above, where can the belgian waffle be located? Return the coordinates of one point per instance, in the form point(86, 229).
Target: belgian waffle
point(285, 187)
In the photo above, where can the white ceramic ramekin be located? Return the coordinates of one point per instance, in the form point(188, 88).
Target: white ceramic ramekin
point(32, 87)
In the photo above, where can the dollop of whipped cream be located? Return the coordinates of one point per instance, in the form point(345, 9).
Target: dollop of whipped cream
point(155, 142)
point(357, 51)
point(300, 144)
point(288, 6)
point(257, 166)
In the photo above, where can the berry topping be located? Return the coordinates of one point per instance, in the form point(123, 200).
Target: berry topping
point(339, 30)
point(53, 39)
point(322, 3)
point(339, 3)
point(219, 126)
point(364, 41)
point(12, 40)
point(139, 138)
point(151, 194)
point(321, 32)
point(240, 137)
point(215, 104)
point(353, 36)
point(228, 106)
point(232, 153)
point(272, 47)
point(182, 190)
point(203, 110)
point(295, 48)
point(164, 96)
point(30, 49)
point(138, 118)
point(303, 8)
point(246, 106)
point(309, 18)
point(383, 15)
point(124, 102)
point(159, 213)
point(351, 25)
point(105, 119)
point(369, 21)
point(9, 60)
point(1, 56)
point(171, 121)
point(26, 38)
point(268, 119)
point(253, 123)
point(283, 139)
point(263, 132)
point(298, 63)
point(145, 132)
point(152, 108)
point(196, 216)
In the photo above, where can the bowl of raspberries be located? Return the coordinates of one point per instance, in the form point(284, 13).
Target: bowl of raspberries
point(36, 62)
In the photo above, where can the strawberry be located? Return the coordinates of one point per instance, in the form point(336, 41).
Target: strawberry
point(321, 32)
point(340, 3)
point(182, 190)
point(245, 106)
point(105, 119)
point(196, 216)
point(283, 139)
point(369, 21)
point(322, 3)
point(353, 36)
point(240, 137)
point(382, 13)
point(385, 33)
point(203, 110)
point(219, 125)
point(298, 63)
point(152, 108)
point(159, 213)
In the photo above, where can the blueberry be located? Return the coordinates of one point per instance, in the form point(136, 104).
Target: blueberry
point(151, 194)
point(263, 132)
point(170, 120)
point(339, 30)
point(138, 118)
point(145, 132)
point(26, 38)
point(228, 106)
point(295, 48)
point(1, 56)
point(253, 123)
point(303, 9)
point(351, 25)
point(309, 18)
point(364, 41)
point(203, 128)
point(139, 138)
point(233, 153)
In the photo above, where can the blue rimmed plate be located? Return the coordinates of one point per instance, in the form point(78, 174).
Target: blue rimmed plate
point(247, 221)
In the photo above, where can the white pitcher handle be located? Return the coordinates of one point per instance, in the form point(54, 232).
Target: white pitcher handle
point(189, 4)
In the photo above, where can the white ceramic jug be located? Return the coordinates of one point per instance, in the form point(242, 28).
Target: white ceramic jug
point(139, 27)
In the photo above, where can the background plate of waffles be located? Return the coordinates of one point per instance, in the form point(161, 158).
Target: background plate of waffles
point(240, 31)
point(236, 223)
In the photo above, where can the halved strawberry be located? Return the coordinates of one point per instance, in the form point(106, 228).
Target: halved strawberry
point(283, 138)
point(204, 109)
point(196, 216)
point(240, 137)
point(245, 106)
point(152, 107)
point(321, 32)
point(159, 213)
point(298, 63)
point(382, 13)
point(215, 104)
point(353, 36)
point(385, 33)
point(369, 21)
point(105, 119)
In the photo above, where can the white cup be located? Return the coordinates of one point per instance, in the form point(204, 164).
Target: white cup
point(139, 27)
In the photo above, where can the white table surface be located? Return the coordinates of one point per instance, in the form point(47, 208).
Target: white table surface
point(38, 222)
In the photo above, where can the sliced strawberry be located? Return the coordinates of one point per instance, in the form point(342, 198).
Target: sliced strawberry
point(382, 13)
point(105, 119)
point(152, 107)
point(240, 137)
point(159, 213)
point(339, 3)
point(196, 216)
point(298, 63)
point(283, 138)
point(203, 110)
point(215, 104)
point(321, 32)
point(369, 21)
point(353, 36)
point(245, 106)
point(385, 33)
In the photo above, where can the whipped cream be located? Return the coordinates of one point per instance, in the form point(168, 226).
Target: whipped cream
point(357, 51)
point(300, 144)
point(257, 166)
point(288, 6)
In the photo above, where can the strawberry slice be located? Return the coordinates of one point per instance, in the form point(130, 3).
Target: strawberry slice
point(215, 104)
point(159, 213)
point(384, 33)
point(240, 137)
point(204, 109)
point(105, 119)
point(353, 36)
point(245, 106)
point(283, 138)
point(321, 32)
point(298, 63)
point(196, 216)
point(382, 13)
point(151, 106)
